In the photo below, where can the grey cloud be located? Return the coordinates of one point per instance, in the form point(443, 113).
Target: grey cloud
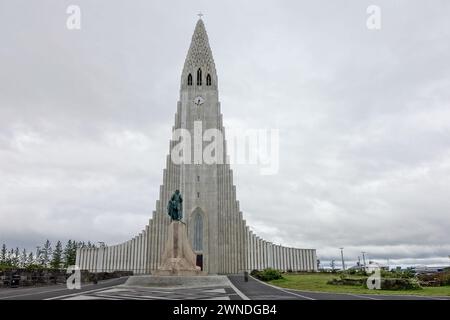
point(85, 119)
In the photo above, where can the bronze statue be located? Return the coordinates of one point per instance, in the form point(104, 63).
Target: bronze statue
point(175, 207)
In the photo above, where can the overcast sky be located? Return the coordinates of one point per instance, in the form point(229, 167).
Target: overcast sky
point(363, 116)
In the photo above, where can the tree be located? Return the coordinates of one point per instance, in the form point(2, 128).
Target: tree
point(332, 265)
point(46, 253)
point(30, 259)
point(9, 257)
point(15, 258)
point(3, 254)
point(57, 256)
point(39, 256)
point(23, 259)
point(70, 253)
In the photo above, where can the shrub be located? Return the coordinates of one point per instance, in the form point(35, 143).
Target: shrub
point(435, 279)
point(347, 282)
point(267, 274)
point(400, 284)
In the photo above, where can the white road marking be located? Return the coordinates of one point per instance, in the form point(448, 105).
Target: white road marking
point(359, 296)
point(281, 289)
point(239, 292)
point(78, 293)
point(48, 291)
point(31, 294)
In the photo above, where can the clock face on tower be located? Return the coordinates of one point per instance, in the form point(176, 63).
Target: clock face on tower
point(199, 100)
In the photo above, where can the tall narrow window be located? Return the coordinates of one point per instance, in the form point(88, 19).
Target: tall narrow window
point(199, 77)
point(208, 80)
point(198, 232)
point(190, 79)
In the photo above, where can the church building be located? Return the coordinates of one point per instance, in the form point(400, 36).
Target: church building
point(219, 235)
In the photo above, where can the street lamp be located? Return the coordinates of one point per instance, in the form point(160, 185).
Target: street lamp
point(364, 259)
point(342, 257)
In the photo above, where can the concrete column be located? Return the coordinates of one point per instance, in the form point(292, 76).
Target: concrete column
point(124, 255)
point(158, 238)
point(259, 254)
point(100, 259)
point(143, 251)
point(83, 258)
point(139, 253)
point(252, 265)
point(91, 258)
point(113, 258)
point(116, 258)
point(291, 260)
point(314, 258)
point(107, 259)
point(274, 255)
point(88, 259)
point(146, 249)
point(121, 257)
point(77, 258)
point(151, 242)
point(303, 260)
point(95, 259)
point(280, 257)
point(309, 259)
point(135, 252)
point(80, 260)
point(288, 258)
point(255, 253)
point(128, 255)
point(266, 254)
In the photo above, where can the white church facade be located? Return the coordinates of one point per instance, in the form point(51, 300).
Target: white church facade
point(219, 235)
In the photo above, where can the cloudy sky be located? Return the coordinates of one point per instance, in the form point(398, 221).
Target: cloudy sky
point(363, 116)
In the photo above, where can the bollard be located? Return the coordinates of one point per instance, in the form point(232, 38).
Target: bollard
point(246, 276)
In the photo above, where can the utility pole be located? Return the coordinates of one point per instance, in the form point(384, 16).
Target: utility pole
point(364, 259)
point(342, 257)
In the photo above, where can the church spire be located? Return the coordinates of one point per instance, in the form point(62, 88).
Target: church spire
point(199, 68)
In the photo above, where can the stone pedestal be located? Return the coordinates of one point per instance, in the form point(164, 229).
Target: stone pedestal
point(178, 258)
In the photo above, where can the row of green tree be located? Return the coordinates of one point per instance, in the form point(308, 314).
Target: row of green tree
point(45, 256)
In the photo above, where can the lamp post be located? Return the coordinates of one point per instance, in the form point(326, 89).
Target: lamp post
point(342, 257)
point(364, 259)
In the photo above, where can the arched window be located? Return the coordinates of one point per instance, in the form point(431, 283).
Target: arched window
point(208, 80)
point(198, 232)
point(190, 79)
point(199, 77)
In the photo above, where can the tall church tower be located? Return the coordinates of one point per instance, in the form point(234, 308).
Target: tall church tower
point(216, 228)
point(211, 211)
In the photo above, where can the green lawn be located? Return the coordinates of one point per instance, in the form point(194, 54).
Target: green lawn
point(318, 282)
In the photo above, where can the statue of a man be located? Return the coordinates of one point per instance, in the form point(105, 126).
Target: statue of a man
point(175, 207)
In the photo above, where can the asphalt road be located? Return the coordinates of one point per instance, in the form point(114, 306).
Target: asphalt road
point(48, 292)
point(258, 290)
point(253, 290)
